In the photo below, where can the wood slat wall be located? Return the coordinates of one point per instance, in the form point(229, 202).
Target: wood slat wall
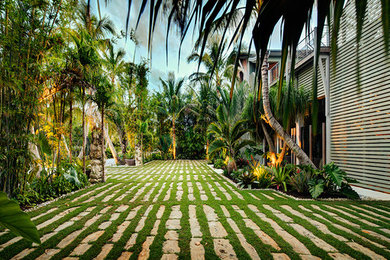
point(305, 79)
point(360, 117)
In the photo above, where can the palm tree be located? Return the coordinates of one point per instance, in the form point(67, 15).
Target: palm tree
point(102, 97)
point(228, 135)
point(117, 114)
point(141, 93)
point(204, 109)
point(113, 61)
point(89, 36)
point(173, 103)
point(267, 13)
point(215, 60)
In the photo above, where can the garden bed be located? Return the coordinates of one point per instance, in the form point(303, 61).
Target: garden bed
point(301, 182)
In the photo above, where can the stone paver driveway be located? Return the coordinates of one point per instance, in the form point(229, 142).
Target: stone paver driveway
point(183, 209)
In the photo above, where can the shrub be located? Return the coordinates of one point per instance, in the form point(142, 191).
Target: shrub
point(109, 153)
point(300, 181)
point(241, 163)
point(235, 175)
point(219, 164)
point(52, 184)
point(265, 180)
point(280, 177)
point(156, 156)
point(247, 179)
point(262, 173)
point(331, 181)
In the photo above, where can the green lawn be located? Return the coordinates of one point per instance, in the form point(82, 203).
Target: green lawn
point(164, 209)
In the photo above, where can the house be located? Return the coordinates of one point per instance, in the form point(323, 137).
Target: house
point(354, 119)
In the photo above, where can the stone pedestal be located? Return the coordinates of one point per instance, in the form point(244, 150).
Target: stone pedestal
point(138, 155)
point(96, 156)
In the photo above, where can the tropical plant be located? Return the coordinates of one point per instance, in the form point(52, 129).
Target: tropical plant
point(216, 61)
point(299, 181)
point(332, 181)
point(72, 177)
point(173, 103)
point(247, 179)
point(219, 164)
point(267, 14)
point(113, 61)
point(227, 134)
point(102, 97)
point(280, 176)
point(203, 107)
point(13, 218)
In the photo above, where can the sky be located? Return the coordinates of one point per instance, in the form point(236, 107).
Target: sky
point(116, 10)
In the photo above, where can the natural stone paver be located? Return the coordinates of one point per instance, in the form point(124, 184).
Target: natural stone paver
point(197, 249)
point(145, 248)
point(248, 247)
point(55, 218)
point(23, 254)
point(217, 230)
point(105, 251)
point(173, 224)
point(126, 215)
point(335, 216)
point(370, 212)
point(125, 256)
point(210, 213)
point(317, 241)
point(171, 247)
point(44, 214)
point(298, 246)
point(323, 228)
point(169, 257)
point(365, 251)
point(280, 256)
point(340, 227)
point(352, 216)
point(194, 224)
point(224, 249)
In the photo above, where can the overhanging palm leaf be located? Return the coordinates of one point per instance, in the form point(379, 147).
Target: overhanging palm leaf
point(295, 14)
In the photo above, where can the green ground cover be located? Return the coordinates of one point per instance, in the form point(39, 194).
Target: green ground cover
point(148, 212)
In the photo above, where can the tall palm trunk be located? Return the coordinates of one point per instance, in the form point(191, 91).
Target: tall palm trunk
point(207, 149)
point(111, 146)
point(70, 126)
point(174, 139)
point(301, 155)
point(102, 140)
point(268, 138)
point(83, 148)
point(123, 138)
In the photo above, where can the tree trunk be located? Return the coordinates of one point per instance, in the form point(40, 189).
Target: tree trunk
point(111, 146)
point(282, 154)
point(102, 133)
point(207, 149)
point(302, 156)
point(268, 137)
point(123, 138)
point(70, 126)
point(173, 139)
point(66, 146)
point(83, 148)
point(142, 149)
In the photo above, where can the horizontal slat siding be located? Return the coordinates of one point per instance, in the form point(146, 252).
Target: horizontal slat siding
point(305, 80)
point(360, 118)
